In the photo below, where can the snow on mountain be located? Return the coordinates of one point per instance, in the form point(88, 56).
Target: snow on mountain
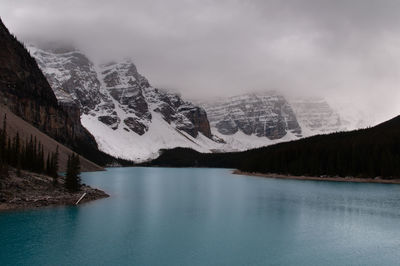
point(132, 120)
point(160, 135)
point(71, 75)
point(252, 120)
point(260, 119)
point(242, 142)
point(317, 116)
point(129, 118)
point(264, 115)
point(354, 117)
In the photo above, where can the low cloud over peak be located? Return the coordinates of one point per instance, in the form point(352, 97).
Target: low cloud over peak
point(346, 51)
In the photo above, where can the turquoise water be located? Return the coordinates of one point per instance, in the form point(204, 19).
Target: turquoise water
point(159, 216)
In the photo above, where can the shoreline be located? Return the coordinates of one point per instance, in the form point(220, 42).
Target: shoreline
point(23, 204)
point(315, 178)
point(34, 191)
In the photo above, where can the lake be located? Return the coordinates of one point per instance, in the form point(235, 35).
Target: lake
point(169, 216)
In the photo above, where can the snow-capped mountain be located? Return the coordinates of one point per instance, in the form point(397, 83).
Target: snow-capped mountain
point(264, 115)
point(132, 120)
point(259, 119)
point(71, 75)
point(128, 117)
point(252, 120)
point(317, 116)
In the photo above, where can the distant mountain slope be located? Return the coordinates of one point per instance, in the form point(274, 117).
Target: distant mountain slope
point(263, 115)
point(371, 152)
point(317, 116)
point(26, 92)
point(260, 119)
point(128, 117)
point(252, 120)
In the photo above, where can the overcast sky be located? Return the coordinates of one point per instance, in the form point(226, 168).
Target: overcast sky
point(344, 50)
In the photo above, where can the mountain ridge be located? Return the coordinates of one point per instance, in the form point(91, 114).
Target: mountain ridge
point(146, 120)
point(116, 96)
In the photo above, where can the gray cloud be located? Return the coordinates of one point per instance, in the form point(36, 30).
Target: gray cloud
point(345, 50)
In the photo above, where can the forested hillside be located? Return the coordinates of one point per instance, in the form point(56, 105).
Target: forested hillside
point(365, 153)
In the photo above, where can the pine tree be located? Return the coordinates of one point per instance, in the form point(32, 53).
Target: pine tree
point(55, 163)
point(72, 179)
point(54, 166)
point(41, 159)
point(8, 151)
point(28, 155)
point(3, 138)
point(16, 151)
point(48, 165)
point(3, 147)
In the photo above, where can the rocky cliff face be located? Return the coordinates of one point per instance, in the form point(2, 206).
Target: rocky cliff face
point(263, 115)
point(255, 120)
point(115, 95)
point(27, 93)
point(76, 81)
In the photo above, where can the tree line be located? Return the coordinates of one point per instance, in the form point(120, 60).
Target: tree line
point(365, 153)
point(29, 155)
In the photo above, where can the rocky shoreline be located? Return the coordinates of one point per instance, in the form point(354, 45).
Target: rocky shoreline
point(31, 190)
point(315, 178)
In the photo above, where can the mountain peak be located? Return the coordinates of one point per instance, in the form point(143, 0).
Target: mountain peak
point(128, 117)
point(266, 114)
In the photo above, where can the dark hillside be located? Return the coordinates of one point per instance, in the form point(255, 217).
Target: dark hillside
point(365, 153)
point(186, 157)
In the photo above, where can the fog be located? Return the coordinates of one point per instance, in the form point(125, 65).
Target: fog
point(347, 51)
